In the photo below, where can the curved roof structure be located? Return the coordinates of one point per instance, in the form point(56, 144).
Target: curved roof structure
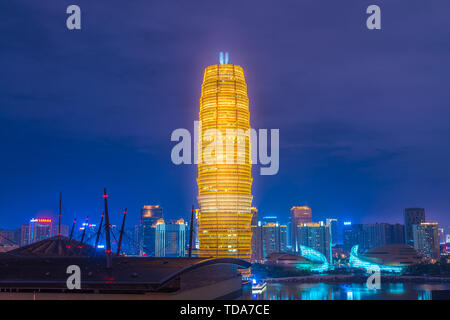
point(393, 254)
point(390, 258)
point(56, 247)
point(283, 257)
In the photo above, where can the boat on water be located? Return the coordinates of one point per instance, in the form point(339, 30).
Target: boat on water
point(247, 278)
point(258, 286)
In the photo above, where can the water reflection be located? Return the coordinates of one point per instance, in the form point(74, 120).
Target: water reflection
point(352, 291)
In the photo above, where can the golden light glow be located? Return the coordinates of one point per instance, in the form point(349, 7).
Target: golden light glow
point(224, 186)
point(158, 222)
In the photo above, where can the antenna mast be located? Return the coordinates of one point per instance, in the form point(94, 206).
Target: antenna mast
point(98, 231)
point(84, 230)
point(119, 246)
point(191, 231)
point(59, 215)
point(73, 226)
point(108, 235)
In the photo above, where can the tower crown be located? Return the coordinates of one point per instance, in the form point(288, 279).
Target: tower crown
point(223, 57)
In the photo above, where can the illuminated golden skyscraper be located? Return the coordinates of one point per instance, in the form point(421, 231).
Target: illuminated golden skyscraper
point(224, 167)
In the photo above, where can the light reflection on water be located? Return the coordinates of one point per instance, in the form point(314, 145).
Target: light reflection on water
point(352, 291)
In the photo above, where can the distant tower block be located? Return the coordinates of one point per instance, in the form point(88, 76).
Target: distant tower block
point(224, 188)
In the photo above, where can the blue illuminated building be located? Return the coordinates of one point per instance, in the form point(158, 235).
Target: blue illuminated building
point(316, 257)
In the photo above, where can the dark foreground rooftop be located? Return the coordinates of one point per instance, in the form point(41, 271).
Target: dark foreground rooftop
point(43, 266)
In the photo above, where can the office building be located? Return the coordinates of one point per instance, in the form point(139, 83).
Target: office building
point(412, 216)
point(299, 216)
point(273, 238)
point(39, 229)
point(353, 234)
point(170, 238)
point(254, 211)
point(441, 236)
point(268, 238)
point(333, 223)
point(150, 215)
point(257, 244)
point(315, 236)
point(369, 236)
point(9, 237)
point(426, 239)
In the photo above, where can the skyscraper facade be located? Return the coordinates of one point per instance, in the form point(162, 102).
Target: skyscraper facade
point(299, 216)
point(170, 239)
point(40, 229)
point(353, 234)
point(316, 236)
point(25, 235)
point(268, 238)
point(333, 223)
point(224, 167)
point(257, 244)
point(412, 216)
point(369, 236)
point(273, 238)
point(150, 215)
point(426, 239)
point(254, 212)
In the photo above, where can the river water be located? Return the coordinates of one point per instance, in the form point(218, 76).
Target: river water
point(338, 291)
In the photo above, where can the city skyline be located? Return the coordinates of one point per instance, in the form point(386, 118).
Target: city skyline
point(344, 153)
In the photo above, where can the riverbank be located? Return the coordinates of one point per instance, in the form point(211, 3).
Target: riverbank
point(357, 279)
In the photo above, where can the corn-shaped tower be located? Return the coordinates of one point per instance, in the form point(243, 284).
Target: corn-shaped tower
point(224, 166)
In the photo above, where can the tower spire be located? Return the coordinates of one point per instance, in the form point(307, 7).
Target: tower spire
point(59, 214)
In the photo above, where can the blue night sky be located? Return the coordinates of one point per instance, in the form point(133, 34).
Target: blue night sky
point(363, 115)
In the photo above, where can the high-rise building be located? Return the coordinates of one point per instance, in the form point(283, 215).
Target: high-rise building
point(333, 223)
point(195, 240)
point(397, 233)
point(273, 238)
point(299, 216)
point(353, 234)
point(40, 229)
point(257, 244)
point(441, 236)
point(426, 239)
point(25, 235)
point(9, 237)
point(149, 219)
point(316, 236)
point(170, 239)
point(268, 238)
point(224, 166)
point(254, 212)
point(152, 212)
point(412, 216)
point(369, 236)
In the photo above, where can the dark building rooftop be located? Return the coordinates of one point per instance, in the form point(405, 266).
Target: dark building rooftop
point(43, 266)
point(56, 247)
